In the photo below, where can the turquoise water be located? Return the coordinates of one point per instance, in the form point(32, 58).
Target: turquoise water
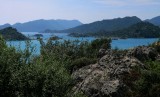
point(120, 43)
point(132, 42)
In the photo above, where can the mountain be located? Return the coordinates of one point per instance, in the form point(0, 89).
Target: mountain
point(10, 33)
point(41, 25)
point(139, 30)
point(107, 25)
point(5, 26)
point(142, 29)
point(155, 21)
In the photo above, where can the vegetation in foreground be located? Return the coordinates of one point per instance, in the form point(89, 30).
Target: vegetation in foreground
point(49, 74)
point(46, 75)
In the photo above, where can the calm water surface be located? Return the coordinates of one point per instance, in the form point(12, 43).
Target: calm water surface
point(120, 43)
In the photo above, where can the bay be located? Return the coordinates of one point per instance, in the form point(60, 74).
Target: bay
point(120, 43)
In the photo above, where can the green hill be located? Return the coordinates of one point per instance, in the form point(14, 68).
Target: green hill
point(139, 30)
point(10, 33)
point(143, 29)
point(107, 25)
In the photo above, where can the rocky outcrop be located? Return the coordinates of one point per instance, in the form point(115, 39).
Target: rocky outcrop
point(144, 53)
point(105, 78)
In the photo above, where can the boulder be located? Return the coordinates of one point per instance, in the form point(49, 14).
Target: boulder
point(105, 78)
point(144, 53)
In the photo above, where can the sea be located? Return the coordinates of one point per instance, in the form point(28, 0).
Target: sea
point(115, 44)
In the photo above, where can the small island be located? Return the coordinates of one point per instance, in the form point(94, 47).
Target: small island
point(38, 35)
point(10, 33)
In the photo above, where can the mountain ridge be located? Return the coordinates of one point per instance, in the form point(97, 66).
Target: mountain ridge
point(139, 30)
point(154, 20)
point(75, 26)
point(41, 24)
point(108, 25)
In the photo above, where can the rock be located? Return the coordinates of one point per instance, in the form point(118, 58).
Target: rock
point(101, 53)
point(144, 53)
point(105, 78)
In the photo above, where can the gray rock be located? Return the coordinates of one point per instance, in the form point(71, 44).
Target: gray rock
point(104, 79)
point(144, 53)
point(101, 53)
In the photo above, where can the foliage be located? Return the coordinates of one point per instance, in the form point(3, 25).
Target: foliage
point(147, 82)
point(43, 77)
point(46, 75)
point(156, 45)
point(10, 61)
point(79, 95)
point(71, 51)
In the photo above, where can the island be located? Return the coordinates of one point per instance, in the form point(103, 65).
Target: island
point(38, 35)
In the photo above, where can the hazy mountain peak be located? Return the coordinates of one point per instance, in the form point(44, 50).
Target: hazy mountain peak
point(42, 24)
point(155, 20)
point(5, 26)
point(157, 17)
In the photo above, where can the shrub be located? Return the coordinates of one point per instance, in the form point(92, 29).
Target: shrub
point(149, 81)
point(46, 75)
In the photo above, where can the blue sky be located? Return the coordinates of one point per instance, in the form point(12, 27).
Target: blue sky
point(86, 11)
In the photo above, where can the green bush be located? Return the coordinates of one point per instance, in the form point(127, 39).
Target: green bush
point(148, 83)
point(103, 43)
point(43, 79)
point(156, 45)
point(10, 62)
point(79, 95)
point(20, 77)
point(74, 52)
point(46, 75)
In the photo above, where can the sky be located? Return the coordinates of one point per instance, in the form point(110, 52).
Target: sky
point(86, 11)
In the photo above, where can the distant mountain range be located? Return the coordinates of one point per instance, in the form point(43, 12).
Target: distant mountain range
point(75, 26)
point(155, 20)
point(41, 25)
point(107, 25)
